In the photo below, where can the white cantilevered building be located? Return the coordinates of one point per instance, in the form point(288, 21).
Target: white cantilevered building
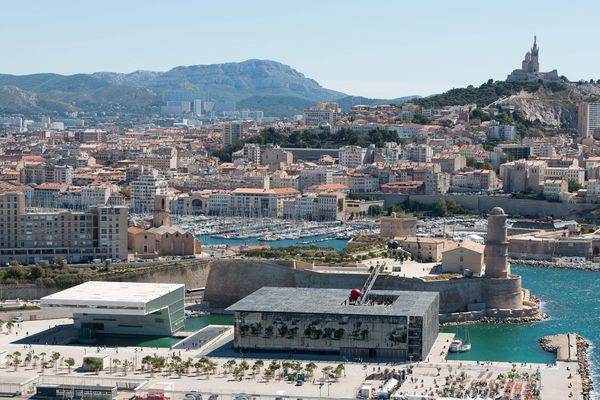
point(121, 308)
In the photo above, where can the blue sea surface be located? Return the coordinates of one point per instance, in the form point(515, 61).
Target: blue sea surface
point(572, 300)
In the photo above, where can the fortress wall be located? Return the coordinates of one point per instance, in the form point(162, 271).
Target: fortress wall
point(192, 274)
point(231, 280)
point(502, 293)
point(528, 248)
point(27, 291)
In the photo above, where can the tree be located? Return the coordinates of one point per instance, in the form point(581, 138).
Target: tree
point(258, 364)
point(273, 367)
point(326, 370)
point(573, 185)
point(441, 208)
point(28, 358)
point(339, 370)
point(70, 362)
point(243, 368)
point(55, 357)
point(310, 368)
point(15, 359)
point(471, 162)
point(116, 362)
point(35, 272)
point(59, 262)
point(91, 363)
point(126, 365)
point(229, 366)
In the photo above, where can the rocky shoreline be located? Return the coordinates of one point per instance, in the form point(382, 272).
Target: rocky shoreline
point(559, 344)
point(552, 264)
point(584, 367)
point(500, 321)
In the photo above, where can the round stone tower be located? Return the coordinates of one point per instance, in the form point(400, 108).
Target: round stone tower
point(496, 245)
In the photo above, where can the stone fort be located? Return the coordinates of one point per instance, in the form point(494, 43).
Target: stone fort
point(497, 293)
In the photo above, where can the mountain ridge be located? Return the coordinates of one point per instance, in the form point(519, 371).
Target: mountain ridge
point(276, 88)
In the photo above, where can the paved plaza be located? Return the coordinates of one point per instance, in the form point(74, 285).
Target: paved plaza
point(423, 380)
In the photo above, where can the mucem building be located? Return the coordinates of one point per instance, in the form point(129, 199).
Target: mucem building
point(98, 307)
point(396, 325)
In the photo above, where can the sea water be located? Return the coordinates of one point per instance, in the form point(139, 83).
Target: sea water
point(572, 300)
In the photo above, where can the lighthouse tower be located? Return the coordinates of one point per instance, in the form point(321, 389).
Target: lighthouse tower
point(496, 245)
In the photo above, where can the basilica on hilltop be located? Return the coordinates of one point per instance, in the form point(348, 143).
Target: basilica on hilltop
point(530, 68)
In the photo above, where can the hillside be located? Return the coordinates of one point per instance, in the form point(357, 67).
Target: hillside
point(552, 103)
point(276, 88)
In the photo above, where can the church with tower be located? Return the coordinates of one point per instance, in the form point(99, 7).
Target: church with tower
point(530, 68)
point(162, 239)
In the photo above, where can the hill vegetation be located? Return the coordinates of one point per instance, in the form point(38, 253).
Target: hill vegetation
point(487, 93)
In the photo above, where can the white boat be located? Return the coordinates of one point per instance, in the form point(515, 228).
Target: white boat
point(457, 345)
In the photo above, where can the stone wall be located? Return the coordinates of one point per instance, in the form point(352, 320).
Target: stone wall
point(192, 274)
point(502, 293)
point(231, 280)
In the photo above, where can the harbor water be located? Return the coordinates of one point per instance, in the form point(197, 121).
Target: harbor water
point(319, 241)
point(571, 298)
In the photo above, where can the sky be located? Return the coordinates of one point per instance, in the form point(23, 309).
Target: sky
point(381, 49)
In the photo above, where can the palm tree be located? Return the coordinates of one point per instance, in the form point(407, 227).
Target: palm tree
point(9, 358)
point(310, 368)
point(16, 359)
point(198, 365)
point(339, 369)
point(146, 361)
point(116, 362)
point(274, 366)
point(43, 357)
point(211, 367)
point(34, 359)
point(70, 362)
point(9, 326)
point(27, 358)
point(258, 364)
point(55, 357)
point(126, 364)
point(326, 371)
point(243, 368)
point(187, 364)
point(229, 366)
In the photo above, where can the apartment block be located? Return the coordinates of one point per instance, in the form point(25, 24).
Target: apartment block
point(77, 236)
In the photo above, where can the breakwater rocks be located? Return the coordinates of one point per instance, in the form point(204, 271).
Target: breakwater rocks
point(500, 321)
point(584, 368)
point(571, 347)
point(552, 264)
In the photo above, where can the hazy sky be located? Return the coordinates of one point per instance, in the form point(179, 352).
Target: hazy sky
point(372, 48)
